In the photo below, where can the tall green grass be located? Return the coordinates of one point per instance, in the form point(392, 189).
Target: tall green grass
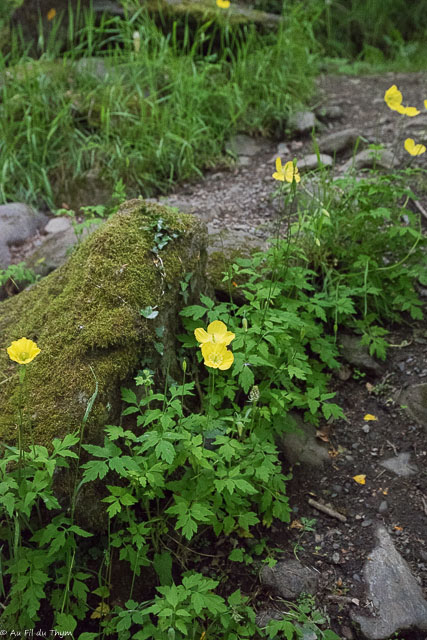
point(155, 116)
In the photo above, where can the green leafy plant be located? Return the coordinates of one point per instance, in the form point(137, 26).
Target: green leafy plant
point(19, 274)
point(369, 255)
point(302, 618)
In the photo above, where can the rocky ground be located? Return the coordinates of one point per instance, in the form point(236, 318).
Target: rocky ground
point(364, 541)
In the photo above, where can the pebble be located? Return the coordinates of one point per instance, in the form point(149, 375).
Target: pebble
point(330, 112)
point(383, 506)
point(347, 633)
point(302, 121)
point(337, 488)
point(366, 428)
point(367, 523)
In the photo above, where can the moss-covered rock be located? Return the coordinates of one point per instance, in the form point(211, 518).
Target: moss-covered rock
point(85, 317)
point(205, 10)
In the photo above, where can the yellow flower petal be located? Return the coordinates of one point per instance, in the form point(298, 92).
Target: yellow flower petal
point(51, 14)
point(360, 479)
point(291, 172)
point(223, 4)
point(425, 103)
point(400, 109)
point(410, 111)
point(217, 356)
point(414, 149)
point(218, 330)
point(279, 174)
point(202, 336)
point(216, 333)
point(369, 416)
point(23, 351)
point(393, 97)
point(227, 361)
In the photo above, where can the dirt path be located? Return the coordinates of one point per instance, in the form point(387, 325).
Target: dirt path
point(241, 198)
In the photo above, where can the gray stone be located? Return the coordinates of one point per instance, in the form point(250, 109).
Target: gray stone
point(383, 508)
point(282, 149)
point(55, 250)
point(338, 141)
point(400, 465)
point(419, 122)
point(330, 112)
point(56, 225)
point(184, 206)
point(242, 145)
point(301, 444)
point(415, 399)
point(396, 595)
point(108, 6)
point(244, 161)
point(95, 67)
point(264, 616)
point(357, 355)
point(370, 158)
point(233, 240)
point(311, 161)
point(289, 578)
point(18, 222)
point(302, 121)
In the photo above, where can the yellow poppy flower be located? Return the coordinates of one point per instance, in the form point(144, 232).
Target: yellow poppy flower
point(51, 14)
point(217, 356)
point(393, 98)
point(217, 334)
point(288, 172)
point(23, 351)
point(223, 4)
point(414, 149)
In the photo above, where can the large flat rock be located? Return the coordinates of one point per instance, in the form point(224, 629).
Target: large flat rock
point(397, 599)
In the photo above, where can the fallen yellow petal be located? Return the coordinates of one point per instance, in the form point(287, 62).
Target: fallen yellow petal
point(410, 111)
point(369, 416)
point(393, 98)
point(360, 479)
point(412, 148)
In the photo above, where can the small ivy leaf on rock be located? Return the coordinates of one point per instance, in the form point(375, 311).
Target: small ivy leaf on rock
point(360, 479)
point(149, 312)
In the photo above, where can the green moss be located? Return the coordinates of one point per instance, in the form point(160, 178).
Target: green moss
point(86, 315)
point(205, 10)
